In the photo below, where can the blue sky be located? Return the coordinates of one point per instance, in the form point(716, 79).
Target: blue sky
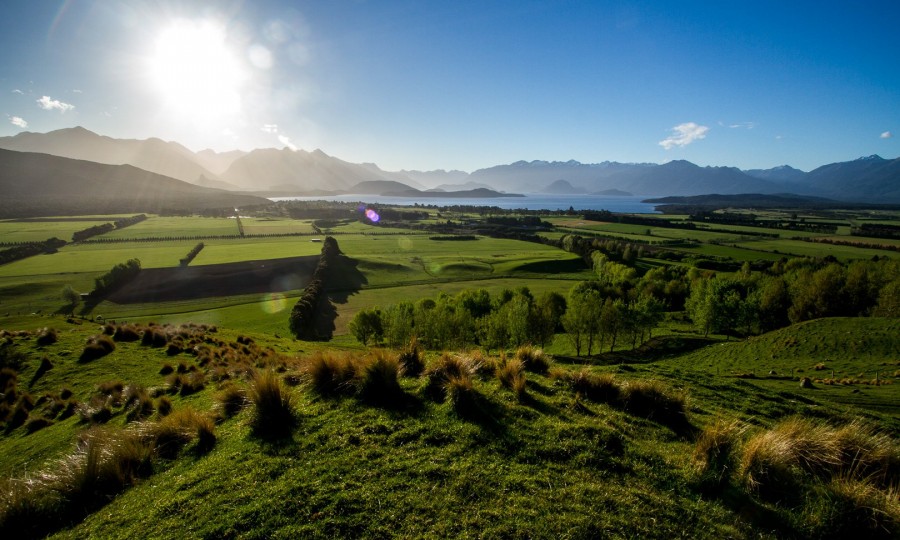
point(464, 85)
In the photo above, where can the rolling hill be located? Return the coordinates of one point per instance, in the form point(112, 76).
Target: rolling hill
point(41, 184)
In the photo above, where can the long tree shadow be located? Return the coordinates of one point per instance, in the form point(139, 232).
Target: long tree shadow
point(344, 279)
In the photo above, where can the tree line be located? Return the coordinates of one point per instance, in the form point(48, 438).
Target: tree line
point(30, 249)
point(118, 276)
point(186, 260)
point(302, 322)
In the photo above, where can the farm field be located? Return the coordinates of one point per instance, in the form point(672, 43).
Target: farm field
point(14, 230)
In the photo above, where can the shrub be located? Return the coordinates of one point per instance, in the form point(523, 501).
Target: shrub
point(97, 347)
point(533, 359)
point(47, 336)
point(273, 415)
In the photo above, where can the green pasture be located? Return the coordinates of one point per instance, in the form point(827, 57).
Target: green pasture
point(782, 233)
point(37, 231)
point(165, 227)
point(99, 258)
point(222, 251)
point(254, 226)
point(811, 249)
point(737, 253)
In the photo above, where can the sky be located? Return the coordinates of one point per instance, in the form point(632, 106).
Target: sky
point(465, 84)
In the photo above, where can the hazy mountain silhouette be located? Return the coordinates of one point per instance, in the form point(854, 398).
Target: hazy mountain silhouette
point(562, 187)
point(299, 169)
point(154, 155)
point(871, 179)
point(41, 184)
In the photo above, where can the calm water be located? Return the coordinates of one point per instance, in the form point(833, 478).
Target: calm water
point(534, 201)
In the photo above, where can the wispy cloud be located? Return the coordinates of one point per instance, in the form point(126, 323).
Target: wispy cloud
point(683, 135)
point(270, 128)
point(287, 142)
point(745, 125)
point(17, 91)
point(18, 121)
point(49, 104)
point(887, 135)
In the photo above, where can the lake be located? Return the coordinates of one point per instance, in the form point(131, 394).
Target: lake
point(531, 201)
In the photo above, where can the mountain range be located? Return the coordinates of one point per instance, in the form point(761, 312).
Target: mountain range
point(286, 171)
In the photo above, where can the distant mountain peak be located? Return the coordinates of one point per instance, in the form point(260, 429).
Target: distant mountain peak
point(873, 157)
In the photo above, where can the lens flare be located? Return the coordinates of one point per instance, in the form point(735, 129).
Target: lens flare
point(372, 215)
point(274, 303)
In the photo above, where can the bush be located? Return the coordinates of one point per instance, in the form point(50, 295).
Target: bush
point(97, 347)
point(273, 415)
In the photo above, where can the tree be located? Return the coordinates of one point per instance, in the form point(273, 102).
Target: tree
point(366, 325)
point(397, 324)
point(71, 297)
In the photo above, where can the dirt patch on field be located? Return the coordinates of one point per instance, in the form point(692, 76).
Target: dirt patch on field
point(192, 282)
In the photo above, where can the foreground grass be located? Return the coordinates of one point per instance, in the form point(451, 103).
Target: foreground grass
point(550, 457)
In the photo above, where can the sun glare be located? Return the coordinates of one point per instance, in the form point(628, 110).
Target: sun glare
point(196, 74)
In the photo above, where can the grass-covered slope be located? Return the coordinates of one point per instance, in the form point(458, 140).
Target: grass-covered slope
point(848, 360)
point(328, 444)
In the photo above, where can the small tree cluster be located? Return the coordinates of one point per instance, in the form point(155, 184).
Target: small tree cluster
point(186, 260)
point(119, 275)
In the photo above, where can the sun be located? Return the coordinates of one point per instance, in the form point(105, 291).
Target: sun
point(195, 72)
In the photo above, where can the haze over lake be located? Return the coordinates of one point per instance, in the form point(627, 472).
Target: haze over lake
point(533, 201)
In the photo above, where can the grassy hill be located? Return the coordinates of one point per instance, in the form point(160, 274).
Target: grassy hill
point(40, 184)
point(474, 446)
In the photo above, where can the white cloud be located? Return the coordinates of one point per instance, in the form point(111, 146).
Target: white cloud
point(683, 135)
point(18, 121)
point(746, 125)
point(887, 135)
point(270, 128)
point(76, 91)
point(17, 91)
point(287, 142)
point(49, 104)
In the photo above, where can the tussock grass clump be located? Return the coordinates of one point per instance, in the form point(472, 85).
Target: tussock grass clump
point(533, 359)
point(104, 463)
point(138, 402)
point(655, 401)
point(166, 369)
point(177, 430)
point(857, 508)
point(97, 347)
point(412, 358)
point(127, 332)
point(439, 374)
point(273, 413)
point(47, 336)
point(330, 374)
point(377, 379)
point(596, 387)
point(716, 448)
point(461, 394)
point(163, 406)
point(154, 337)
point(231, 399)
point(512, 375)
